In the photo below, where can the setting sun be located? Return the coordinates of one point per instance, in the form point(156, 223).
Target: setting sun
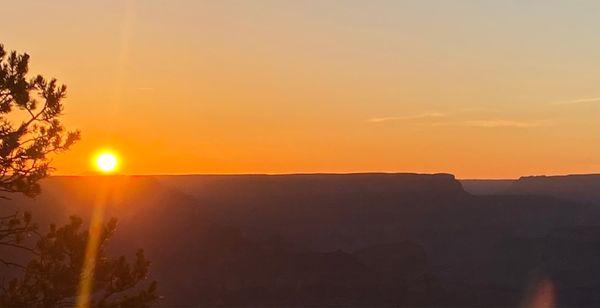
point(107, 162)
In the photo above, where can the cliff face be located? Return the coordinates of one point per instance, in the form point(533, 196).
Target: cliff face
point(324, 211)
point(222, 186)
point(487, 187)
point(580, 188)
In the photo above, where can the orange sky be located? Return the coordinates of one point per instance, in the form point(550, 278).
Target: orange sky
point(472, 88)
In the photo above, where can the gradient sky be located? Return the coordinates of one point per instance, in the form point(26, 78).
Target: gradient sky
point(480, 89)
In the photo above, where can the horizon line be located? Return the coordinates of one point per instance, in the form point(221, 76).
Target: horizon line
point(325, 173)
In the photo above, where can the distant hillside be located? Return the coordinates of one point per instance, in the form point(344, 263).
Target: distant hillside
point(205, 186)
point(333, 239)
point(580, 188)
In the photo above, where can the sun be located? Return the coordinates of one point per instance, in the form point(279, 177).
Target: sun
point(107, 162)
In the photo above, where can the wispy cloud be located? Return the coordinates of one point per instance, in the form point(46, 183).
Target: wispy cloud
point(427, 115)
point(579, 101)
point(145, 89)
point(496, 123)
point(444, 119)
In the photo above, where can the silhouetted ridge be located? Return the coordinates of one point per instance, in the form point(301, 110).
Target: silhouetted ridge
point(317, 184)
point(581, 187)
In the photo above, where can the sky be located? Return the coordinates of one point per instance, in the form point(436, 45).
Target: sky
point(479, 89)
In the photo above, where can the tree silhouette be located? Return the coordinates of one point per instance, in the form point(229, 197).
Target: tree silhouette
point(51, 278)
point(24, 147)
point(30, 130)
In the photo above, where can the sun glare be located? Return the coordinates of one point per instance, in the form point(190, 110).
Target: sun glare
point(107, 162)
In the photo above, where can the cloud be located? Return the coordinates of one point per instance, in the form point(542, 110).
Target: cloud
point(500, 123)
point(443, 119)
point(579, 101)
point(427, 115)
point(145, 89)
